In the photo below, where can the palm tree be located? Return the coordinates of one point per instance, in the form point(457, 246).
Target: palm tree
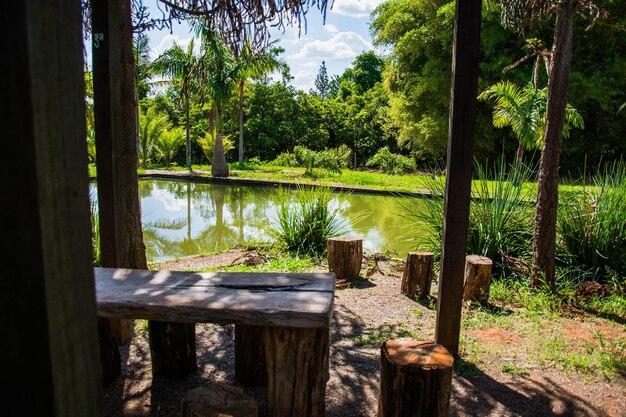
point(168, 144)
point(253, 64)
point(182, 67)
point(524, 110)
point(219, 78)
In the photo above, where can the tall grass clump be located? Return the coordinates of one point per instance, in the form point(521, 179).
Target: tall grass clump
point(592, 225)
point(500, 223)
point(95, 232)
point(306, 219)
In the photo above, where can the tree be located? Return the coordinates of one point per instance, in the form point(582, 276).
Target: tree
point(253, 64)
point(181, 67)
point(143, 66)
point(518, 14)
point(524, 110)
point(322, 82)
point(152, 125)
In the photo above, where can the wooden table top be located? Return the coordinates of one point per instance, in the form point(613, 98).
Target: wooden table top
point(261, 299)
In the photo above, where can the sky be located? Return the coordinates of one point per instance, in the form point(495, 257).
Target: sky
point(344, 35)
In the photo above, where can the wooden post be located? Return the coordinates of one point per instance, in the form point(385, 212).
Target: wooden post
point(415, 379)
point(418, 273)
point(297, 371)
point(218, 400)
point(477, 278)
point(345, 255)
point(250, 368)
point(49, 346)
point(465, 59)
point(172, 357)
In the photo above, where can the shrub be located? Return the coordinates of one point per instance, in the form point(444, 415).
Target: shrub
point(332, 160)
point(169, 143)
point(592, 224)
point(286, 159)
point(500, 223)
point(207, 143)
point(305, 220)
point(391, 163)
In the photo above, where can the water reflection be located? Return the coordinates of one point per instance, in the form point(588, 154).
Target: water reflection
point(182, 218)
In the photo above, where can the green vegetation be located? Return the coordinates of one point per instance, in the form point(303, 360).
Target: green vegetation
point(306, 220)
point(391, 163)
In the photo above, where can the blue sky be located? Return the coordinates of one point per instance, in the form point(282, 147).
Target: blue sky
point(338, 42)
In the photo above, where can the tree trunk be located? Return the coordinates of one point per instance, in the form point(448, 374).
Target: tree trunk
point(173, 349)
point(477, 279)
point(109, 353)
point(250, 368)
point(219, 166)
point(345, 255)
point(543, 267)
point(241, 86)
point(187, 134)
point(218, 400)
point(418, 273)
point(297, 371)
point(415, 379)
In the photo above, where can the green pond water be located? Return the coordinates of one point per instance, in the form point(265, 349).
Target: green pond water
point(183, 218)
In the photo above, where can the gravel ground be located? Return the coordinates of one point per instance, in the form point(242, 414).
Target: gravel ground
point(363, 315)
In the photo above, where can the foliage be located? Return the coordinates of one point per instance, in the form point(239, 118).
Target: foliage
point(306, 219)
point(524, 110)
point(169, 143)
point(592, 224)
point(391, 163)
point(207, 143)
point(322, 82)
point(152, 125)
point(331, 160)
point(500, 223)
point(95, 232)
point(286, 159)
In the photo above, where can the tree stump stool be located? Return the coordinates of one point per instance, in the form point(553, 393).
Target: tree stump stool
point(250, 368)
point(417, 275)
point(477, 278)
point(415, 379)
point(345, 255)
point(218, 400)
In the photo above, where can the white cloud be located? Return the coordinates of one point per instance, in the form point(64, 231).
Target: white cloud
point(167, 41)
point(355, 8)
point(331, 28)
point(341, 45)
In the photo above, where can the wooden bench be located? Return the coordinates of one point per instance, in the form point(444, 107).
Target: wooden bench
point(293, 312)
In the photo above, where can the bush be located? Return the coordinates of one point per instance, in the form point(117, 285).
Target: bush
point(592, 225)
point(500, 223)
point(305, 221)
point(286, 159)
point(391, 163)
point(332, 160)
point(207, 143)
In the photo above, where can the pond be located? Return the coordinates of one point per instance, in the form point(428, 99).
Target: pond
point(183, 218)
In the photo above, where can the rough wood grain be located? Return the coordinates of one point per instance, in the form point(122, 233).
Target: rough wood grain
point(415, 379)
point(250, 367)
point(345, 255)
point(172, 357)
point(297, 370)
point(261, 299)
point(477, 278)
point(218, 400)
point(418, 273)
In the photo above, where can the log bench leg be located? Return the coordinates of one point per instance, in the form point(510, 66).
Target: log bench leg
point(172, 348)
point(250, 366)
point(297, 371)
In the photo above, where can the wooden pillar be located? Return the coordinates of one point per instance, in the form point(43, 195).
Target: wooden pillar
point(218, 400)
point(418, 273)
point(116, 159)
point(250, 368)
point(297, 371)
point(345, 255)
point(477, 279)
point(48, 347)
point(465, 59)
point(172, 348)
point(415, 379)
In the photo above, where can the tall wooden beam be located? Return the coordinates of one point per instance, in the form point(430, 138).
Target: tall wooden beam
point(465, 60)
point(48, 348)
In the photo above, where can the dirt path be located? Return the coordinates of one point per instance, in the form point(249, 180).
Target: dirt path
point(363, 316)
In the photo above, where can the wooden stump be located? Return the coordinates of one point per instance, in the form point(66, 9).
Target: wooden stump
point(218, 400)
point(297, 371)
point(173, 348)
point(345, 255)
point(477, 278)
point(250, 368)
point(415, 379)
point(120, 329)
point(417, 274)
